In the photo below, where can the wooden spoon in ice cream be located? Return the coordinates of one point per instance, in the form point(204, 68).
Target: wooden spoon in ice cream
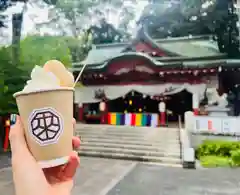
point(58, 69)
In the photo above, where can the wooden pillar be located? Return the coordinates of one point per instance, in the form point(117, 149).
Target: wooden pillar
point(106, 112)
point(6, 139)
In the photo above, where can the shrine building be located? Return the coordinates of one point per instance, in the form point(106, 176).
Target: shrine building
point(151, 82)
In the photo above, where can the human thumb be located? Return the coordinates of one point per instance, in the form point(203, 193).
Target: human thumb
point(17, 138)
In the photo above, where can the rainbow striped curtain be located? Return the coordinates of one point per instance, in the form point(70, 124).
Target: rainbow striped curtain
point(138, 121)
point(128, 120)
point(133, 119)
point(154, 120)
point(118, 118)
point(113, 119)
point(144, 119)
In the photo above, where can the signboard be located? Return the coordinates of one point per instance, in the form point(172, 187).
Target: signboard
point(221, 125)
point(212, 124)
point(229, 125)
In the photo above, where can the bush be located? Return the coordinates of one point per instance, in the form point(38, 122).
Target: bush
point(235, 157)
point(217, 148)
point(215, 161)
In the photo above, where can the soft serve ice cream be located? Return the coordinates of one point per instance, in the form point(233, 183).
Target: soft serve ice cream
point(58, 69)
point(40, 80)
point(52, 75)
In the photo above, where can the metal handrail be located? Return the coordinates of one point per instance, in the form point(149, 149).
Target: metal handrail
point(179, 135)
point(179, 122)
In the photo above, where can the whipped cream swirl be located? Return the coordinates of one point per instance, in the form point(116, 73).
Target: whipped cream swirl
point(41, 80)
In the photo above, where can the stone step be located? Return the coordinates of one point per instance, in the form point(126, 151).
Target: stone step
point(118, 134)
point(149, 146)
point(110, 137)
point(129, 142)
point(135, 152)
point(128, 131)
point(137, 135)
point(172, 149)
point(130, 157)
point(155, 145)
point(122, 127)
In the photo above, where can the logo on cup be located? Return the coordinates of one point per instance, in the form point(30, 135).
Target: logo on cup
point(45, 125)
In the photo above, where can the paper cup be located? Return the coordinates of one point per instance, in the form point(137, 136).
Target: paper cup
point(47, 119)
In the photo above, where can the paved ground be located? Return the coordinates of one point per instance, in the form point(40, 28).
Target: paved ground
point(5, 160)
point(156, 180)
point(116, 177)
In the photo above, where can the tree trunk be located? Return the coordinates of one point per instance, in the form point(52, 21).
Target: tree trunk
point(17, 20)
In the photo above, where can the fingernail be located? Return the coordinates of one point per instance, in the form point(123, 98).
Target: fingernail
point(13, 119)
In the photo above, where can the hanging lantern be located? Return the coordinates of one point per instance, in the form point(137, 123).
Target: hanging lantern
point(161, 107)
point(195, 72)
point(130, 102)
point(7, 123)
point(219, 69)
point(102, 106)
point(161, 73)
point(80, 104)
point(140, 109)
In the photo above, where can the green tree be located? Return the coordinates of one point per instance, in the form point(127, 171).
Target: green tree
point(105, 33)
point(12, 79)
point(69, 17)
point(36, 50)
point(78, 15)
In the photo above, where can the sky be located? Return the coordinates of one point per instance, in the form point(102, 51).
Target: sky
point(36, 14)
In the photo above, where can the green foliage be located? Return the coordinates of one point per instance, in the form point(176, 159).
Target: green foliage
point(235, 158)
point(217, 148)
point(215, 161)
point(36, 50)
point(12, 79)
point(214, 153)
point(79, 47)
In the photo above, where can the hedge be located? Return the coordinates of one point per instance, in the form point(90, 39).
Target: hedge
point(220, 148)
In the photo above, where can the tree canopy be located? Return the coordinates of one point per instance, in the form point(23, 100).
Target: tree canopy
point(194, 17)
point(36, 50)
point(105, 33)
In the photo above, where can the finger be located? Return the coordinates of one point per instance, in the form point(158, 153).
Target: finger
point(16, 137)
point(71, 167)
point(74, 123)
point(76, 142)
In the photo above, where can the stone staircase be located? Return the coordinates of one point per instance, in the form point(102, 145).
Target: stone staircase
point(155, 145)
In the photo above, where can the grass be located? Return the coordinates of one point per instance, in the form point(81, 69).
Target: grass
point(215, 161)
